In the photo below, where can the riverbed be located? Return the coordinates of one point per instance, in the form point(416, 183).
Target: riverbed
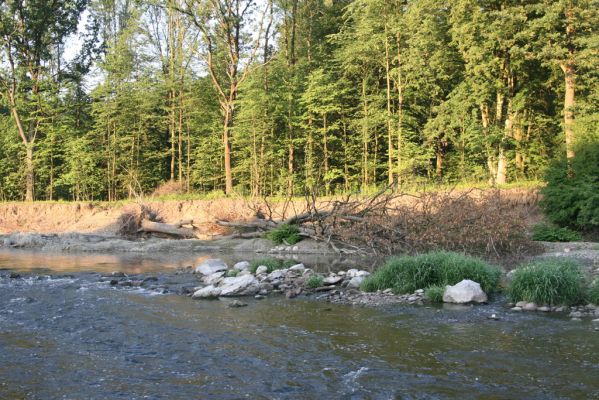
point(68, 334)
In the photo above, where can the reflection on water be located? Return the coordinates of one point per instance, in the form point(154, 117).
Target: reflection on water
point(134, 263)
point(77, 338)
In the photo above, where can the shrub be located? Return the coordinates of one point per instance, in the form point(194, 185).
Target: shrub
point(571, 197)
point(551, 233)
point(593, 292)
point(270, 263)
point(285, 233)
point(314, 281)
point(552, 282)
point(409, 273)
point(434, 294)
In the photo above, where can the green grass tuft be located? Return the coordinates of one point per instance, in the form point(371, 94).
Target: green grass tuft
point(314, 282)
point(271, 263)
point(552, 282)
point(551, 233)
point(232, 273)
point(409, 273)
point(285, 233)
point(593, 292)
point(434, 294)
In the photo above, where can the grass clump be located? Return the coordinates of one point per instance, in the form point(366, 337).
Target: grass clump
point(271, 263)
point(551, 233)
point(439, 268)
point(552, 282)
point(434, 294)
point(285, 233)
point(232, 273)
point(314, 282)
point(593, 292)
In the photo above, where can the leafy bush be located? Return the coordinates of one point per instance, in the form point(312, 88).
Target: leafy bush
point(552, 282)
point(571, 197)
point(409, 273)
point(593, 292)
point(270, 263)
point(551, 233)
point(314, 281)
point(285, 233)
point(434, 294)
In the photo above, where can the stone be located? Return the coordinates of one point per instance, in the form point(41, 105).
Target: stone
point(236, 304)
point(118, 274)
point(352, 272)
point(516, 308)
point(419, 291)
point(214, 278)
point(259, 297)
point(211, 266)
point(363, 273)
point(596, 321)
point(341, 273)
point(355, 282)
point(332, 280)
point(575, 314)
point(466, 291)
point(388, 291)
point(276, 275)
point(241, 265)
point(544, 309)
point(521, 303)
point(245, 272)
point(262, 269)
point(209, 292)
point(239, 286)
point(308, 272)
point(530, 307)
point(297, 268)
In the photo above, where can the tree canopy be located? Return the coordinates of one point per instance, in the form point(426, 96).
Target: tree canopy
point(282, 97)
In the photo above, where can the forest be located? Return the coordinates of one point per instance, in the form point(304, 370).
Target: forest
point(110, 99)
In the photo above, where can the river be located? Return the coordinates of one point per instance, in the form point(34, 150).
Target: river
point(70, 336)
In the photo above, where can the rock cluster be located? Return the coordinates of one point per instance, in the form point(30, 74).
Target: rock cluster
point(590, 310)
point(214, 274)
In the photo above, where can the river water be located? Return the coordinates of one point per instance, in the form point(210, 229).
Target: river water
point(74, 337)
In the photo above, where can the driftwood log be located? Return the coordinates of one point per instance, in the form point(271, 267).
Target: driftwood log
point(177, 230)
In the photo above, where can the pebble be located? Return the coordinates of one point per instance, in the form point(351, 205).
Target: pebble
point(262, 269)
point(259, 297)
point(544, 309)
point(530, 307)
point(236, 304)
point(516, 308)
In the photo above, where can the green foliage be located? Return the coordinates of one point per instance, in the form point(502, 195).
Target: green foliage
point(285, 233)
point(232, 273)
point(271, 263)
point(571, 197)
point(409, 273)
point(552, 282)
point(551, 233)
point(592, 295)
point(314, 282)
point(434, 294)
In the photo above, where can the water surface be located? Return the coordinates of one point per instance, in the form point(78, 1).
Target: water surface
point(74, 337)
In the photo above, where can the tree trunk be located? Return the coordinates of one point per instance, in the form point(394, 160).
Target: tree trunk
point(228, 122)
point(569, 102)
point(29, 173)
point(389, 122)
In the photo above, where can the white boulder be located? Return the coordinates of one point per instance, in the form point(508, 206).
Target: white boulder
point(211, 266)
point(239, 286)
point(209, 292)
point(466, 291)
point(241, 265)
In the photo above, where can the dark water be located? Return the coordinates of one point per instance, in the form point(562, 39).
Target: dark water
point(77, 338)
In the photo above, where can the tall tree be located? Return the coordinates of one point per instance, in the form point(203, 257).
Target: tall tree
point(30, 34)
